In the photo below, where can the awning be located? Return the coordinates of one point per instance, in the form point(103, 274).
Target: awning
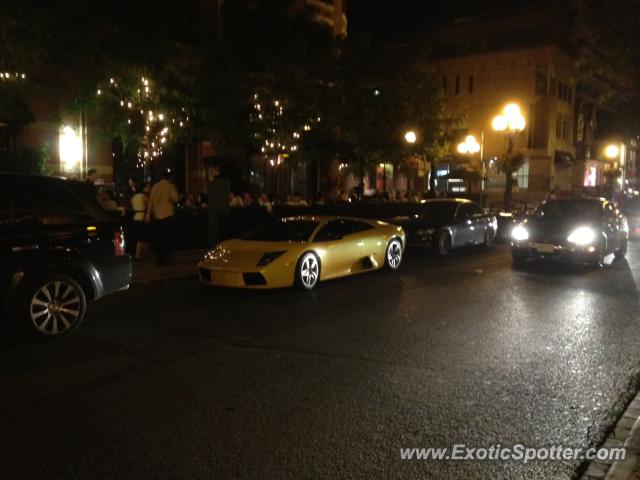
point(565, 158)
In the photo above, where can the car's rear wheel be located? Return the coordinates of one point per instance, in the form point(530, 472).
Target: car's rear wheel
point(52, 305)
point(308, 271)
point(622, 251)
point(393, 255)
point(443, 243)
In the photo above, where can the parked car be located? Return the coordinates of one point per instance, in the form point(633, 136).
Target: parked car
point(302, 251)
point(448, 223)
point(58, 250)
point(631, 209)
point(508, 217)
point(579, 230)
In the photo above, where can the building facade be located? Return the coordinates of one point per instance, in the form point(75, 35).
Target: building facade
point(521, 58)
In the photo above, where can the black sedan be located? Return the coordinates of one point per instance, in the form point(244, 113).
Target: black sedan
point(578, 230)
point(631, 209)
point(58, 250)
point(508, 217)
point(448, 223)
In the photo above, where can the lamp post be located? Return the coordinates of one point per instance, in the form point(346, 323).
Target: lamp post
point(615, 153)
point(510, 122)
point(470, 147)
point(410, 137)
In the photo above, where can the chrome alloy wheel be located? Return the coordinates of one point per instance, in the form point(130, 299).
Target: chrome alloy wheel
point(309, 271)
point(55, 307)
point(394, 254)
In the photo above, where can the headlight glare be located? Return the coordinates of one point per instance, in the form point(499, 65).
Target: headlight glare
point(582, 236)
point(519, 233)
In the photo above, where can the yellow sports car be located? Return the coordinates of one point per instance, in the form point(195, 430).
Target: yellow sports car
point(302, 251)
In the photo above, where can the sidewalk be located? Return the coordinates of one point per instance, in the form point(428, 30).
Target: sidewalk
point(627, 434)
point(180, 266)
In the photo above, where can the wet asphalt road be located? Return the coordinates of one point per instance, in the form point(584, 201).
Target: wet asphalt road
point(180, 381)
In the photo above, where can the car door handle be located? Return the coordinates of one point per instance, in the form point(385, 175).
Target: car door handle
point(24, 248)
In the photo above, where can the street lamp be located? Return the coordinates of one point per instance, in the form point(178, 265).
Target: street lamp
point(510, 122)
point(471, 146)
point(612, 151)
point(410, 136)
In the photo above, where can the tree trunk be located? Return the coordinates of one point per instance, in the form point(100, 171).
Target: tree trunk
point(508, 187)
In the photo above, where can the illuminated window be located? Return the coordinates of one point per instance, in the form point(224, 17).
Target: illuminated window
point(70, 147)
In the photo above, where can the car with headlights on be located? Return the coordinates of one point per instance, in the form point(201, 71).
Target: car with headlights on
point(508, 217)
point(448, 223)
point(574, 230)
point(303, 251)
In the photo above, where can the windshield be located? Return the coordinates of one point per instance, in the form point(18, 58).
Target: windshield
point(439, 210)
point(569, 210)
point(283, 231)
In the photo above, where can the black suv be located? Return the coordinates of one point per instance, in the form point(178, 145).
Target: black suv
point(58, 249)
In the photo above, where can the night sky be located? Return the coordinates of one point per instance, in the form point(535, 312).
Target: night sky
point(398, 17)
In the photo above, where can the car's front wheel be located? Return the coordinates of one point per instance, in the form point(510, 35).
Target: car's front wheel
point(443, 243)
point(518, 259)
point(393, 256)
point(52, 305)
point(308, 271)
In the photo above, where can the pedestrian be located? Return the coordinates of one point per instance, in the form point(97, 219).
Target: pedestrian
point(161, 210)
point(92, 176)
point(140, 228)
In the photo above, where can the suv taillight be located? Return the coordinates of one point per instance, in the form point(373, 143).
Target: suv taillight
point(118, 240)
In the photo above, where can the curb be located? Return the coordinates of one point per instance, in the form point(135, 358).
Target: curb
point(625, 433)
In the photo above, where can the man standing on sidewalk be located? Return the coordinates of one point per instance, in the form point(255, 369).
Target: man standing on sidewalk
point(162, 198)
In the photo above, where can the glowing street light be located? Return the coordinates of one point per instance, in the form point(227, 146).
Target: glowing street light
point(410, 136)
point(612, 151)
point(469, 146)
point(510, 120)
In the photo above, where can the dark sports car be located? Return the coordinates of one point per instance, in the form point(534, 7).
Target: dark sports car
point(579, 230)
point(448, 223)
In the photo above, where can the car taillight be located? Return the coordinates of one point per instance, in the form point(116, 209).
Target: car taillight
point(118, 240)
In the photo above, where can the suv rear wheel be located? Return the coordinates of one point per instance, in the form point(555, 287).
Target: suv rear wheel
point(52, 304)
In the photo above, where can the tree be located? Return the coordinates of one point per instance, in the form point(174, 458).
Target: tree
point(509, 164)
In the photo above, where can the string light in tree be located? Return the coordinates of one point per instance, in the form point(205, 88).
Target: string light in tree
point(153, 129)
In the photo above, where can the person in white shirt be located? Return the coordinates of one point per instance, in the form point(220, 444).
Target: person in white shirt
point(139, 228)
point(161, 209)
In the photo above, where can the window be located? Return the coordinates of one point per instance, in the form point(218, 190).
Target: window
point(463, 213)
point(53, 202)
point(470, 83)
point(354, 226)
point(333, 230)
point(24, 213)
point(457, 84)
point(522, 176)
point(282, 231)
point(562, 127)
point(475, 210)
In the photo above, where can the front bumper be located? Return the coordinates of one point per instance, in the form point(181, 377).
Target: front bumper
point(564, 253)
point(262, 279)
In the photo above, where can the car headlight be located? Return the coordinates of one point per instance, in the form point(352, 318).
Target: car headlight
point(519, 233)
point(215, 254)
point(582, 236)
point(269, 257)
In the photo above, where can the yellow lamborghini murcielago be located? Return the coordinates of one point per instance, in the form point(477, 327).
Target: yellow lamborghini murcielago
point(302, 251)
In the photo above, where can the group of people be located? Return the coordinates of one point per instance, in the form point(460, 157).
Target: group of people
point(151, 210)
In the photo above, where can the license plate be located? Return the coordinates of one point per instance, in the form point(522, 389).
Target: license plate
point(543, 247)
